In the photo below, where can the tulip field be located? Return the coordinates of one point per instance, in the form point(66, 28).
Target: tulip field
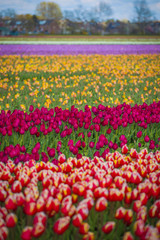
point(79, 140)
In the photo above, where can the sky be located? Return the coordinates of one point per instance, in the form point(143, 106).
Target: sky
point(122, 9)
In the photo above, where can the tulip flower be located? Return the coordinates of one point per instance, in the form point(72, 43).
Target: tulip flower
point(124, 149)
point(40, 217)
point(120, 213)
point(38, 229)
point(128, 218)
point(30, 208)
point(88, 236)
point(61, 225)
point(84, 228)
point(4, 232)
point(139, 228)
point(10, 202)
point(77, 220)
point(108, 227)
point(128, 236)
point(11, 220)
point(83, 211)
point(27, 233)
point(101, 204)
point(146, 138)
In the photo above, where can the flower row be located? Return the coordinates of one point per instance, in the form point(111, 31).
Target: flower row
point(75, 49)
point(94, 131)
point(82, 198)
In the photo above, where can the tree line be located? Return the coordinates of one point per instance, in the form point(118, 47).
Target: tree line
point(101, 13)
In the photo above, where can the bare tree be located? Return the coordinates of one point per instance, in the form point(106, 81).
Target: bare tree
point(102, 12)
point(49, 10)
point(142, 14)
point(9, 13)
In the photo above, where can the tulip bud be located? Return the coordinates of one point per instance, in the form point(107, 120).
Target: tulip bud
point(139, 228)
point(10, 202)
point(128, 216)
point(83, 211)
point(88, 236)
point(61, 225)
point(49, 204)
point(40, 217)
point(128, 236)
point(84, 228)
point(101, 204)
point(26, 233)
point(56, 205)
point(30, 208)
point(61, 158)
point(158, 226)
point(153, 211)
point(124, 149)
point(4, 232)
point(38, 229)
point(40, 204)
point(3, 195)
point(120, 213)
point(77, 220)
point(11, 220)
point(108, 227)
point(136, 205)
point(20, 199)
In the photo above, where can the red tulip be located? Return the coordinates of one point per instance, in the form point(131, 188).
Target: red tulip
point(40, 217)
point(71, 211)
point(66, 205)
point(83, 211)
point(128, 236)
point(136, 205)
point(61, 225)
point(4, 212)
point(38, 229)
point(158, 226)
point(124, 149)
point(10, 202)
point(56, 205)
point(115, 195)
point(40, 204)
point(120, 213)
point(133, 153)
point(30, 208)
point(84, 228)
point(26, 233)
point(20, 199)
point(4, 233)
point(2, 222)
point(77, 220)
point(128, 218)
point(108, 227)
point(11, 220)
point(153, 211)
point(139, 228)
point(142, 215)
point(88, 236)
point(49, 204)
point(3, 195)
point(61, 158)
point(101, 204)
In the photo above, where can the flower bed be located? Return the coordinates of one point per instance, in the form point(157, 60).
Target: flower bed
point(46, 133)
point(113, 198)
point(74, 49)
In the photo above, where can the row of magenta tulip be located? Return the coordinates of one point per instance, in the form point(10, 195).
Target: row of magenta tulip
point(43, 134)
point(82, 198)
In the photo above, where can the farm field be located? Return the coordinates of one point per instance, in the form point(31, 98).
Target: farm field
point(80, 138)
